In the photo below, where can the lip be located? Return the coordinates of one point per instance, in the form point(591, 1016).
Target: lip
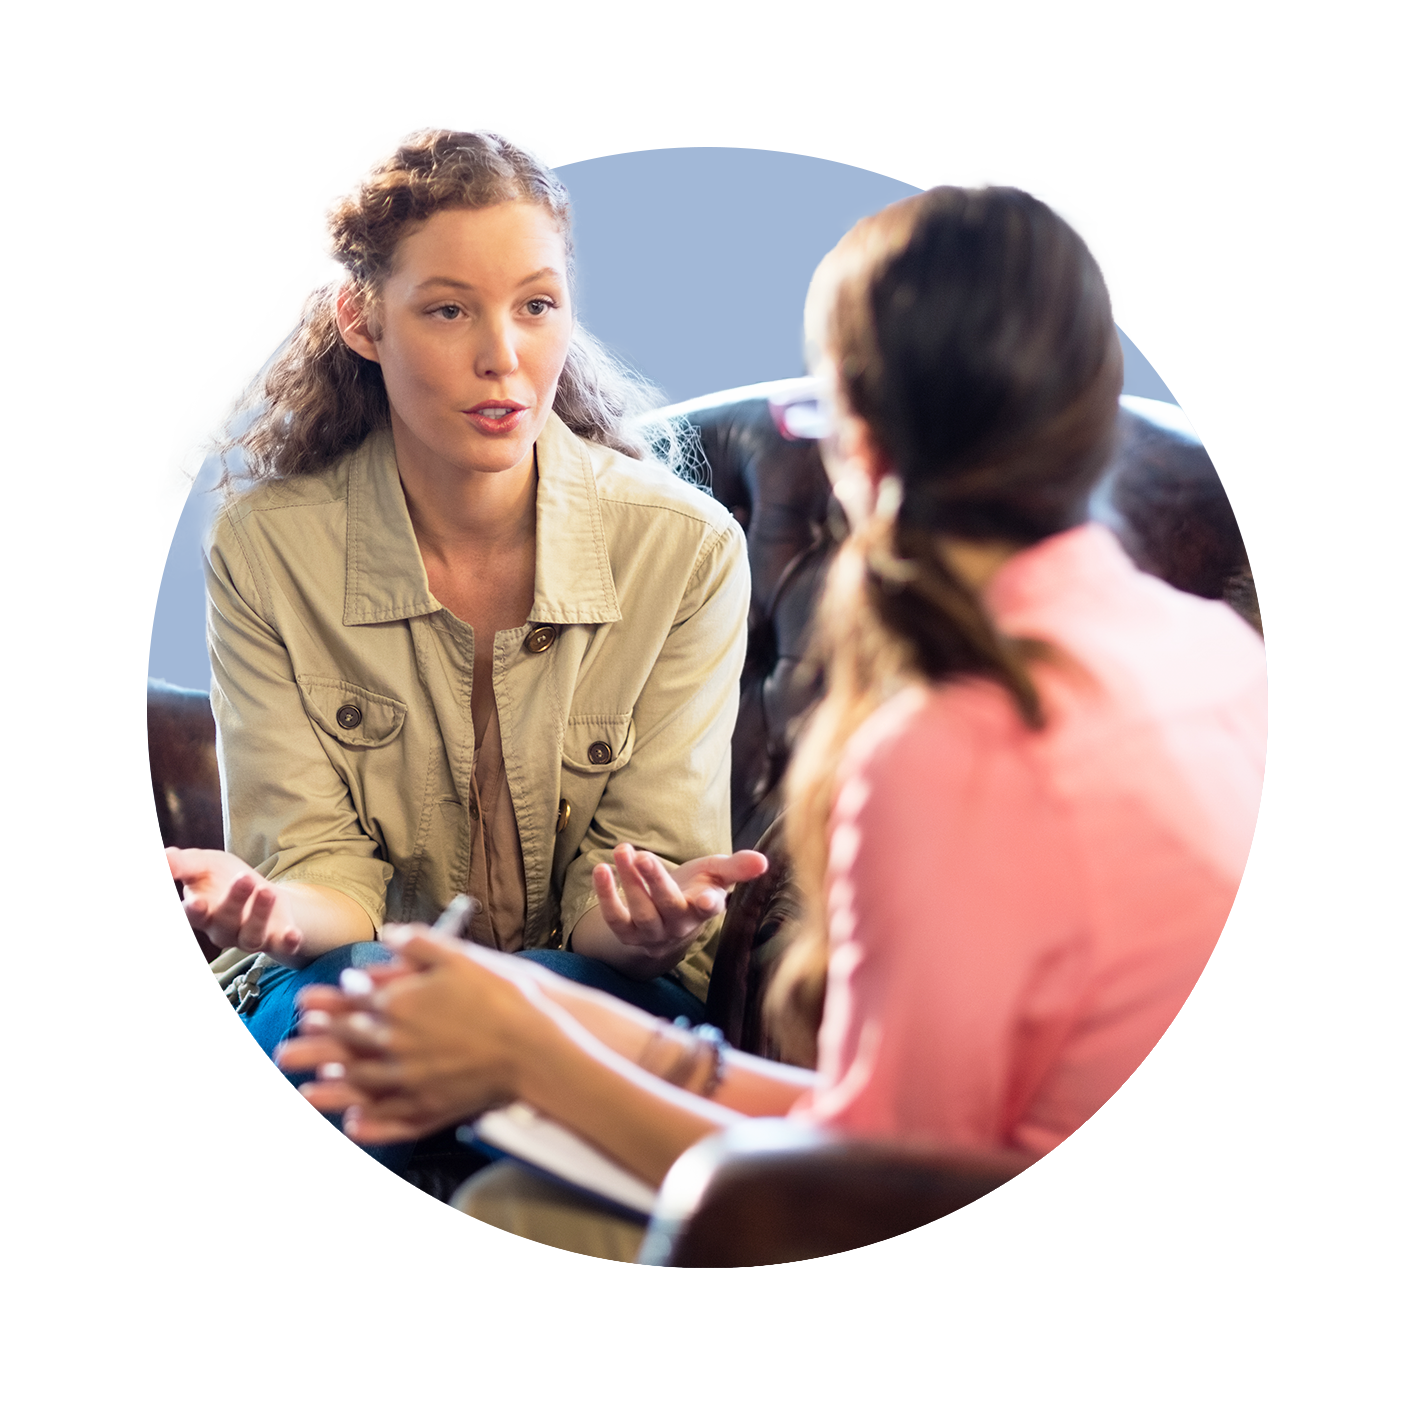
point(485, 419)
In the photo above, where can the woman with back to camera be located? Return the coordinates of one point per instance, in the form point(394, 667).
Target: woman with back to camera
point(466, 634)
point(1019, 816)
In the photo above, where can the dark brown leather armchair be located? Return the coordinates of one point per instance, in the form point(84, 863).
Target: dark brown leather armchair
point(775, 1191)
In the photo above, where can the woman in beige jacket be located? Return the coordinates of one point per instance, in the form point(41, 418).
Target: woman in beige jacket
point(466, 634)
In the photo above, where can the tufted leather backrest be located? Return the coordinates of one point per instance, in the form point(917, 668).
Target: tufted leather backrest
point(1160, 494)
point(186, 784)
point(779, 491)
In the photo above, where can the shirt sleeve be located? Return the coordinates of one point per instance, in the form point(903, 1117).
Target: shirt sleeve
point(286, 809)
point(957, 963)
point(673, 796)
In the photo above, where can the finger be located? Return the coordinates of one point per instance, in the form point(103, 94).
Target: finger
point(230, 911)
point(637, 899)
point(308, 1053)
point(197, 910)
point(733, 869)
point(331, 1096)
point(663, 889)
point(187, 864)
point(369, 1131)
point(418, 949)
point(255, 928)
point(611, 906)
point(378, 1076)
point(322, 997)
point(707, 903)
point(388, 972)
point(359, 1032)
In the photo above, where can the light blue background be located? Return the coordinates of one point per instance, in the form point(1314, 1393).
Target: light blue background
point(694, 265)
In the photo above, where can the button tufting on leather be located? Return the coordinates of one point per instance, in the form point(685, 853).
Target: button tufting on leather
point(348, 717)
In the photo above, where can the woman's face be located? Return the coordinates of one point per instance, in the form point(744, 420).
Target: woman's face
point(471, 330)
point(853, 462)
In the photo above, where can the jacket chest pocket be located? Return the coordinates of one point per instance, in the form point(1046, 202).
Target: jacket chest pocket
point(594, 747)
point(353, 716)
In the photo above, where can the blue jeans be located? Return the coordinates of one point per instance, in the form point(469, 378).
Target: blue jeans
point(275, 1015)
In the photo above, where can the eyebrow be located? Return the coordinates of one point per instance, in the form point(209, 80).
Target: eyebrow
point(463, 285)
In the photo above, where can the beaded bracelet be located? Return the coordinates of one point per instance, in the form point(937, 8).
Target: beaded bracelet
point(716, 1044)
point(708, 1043)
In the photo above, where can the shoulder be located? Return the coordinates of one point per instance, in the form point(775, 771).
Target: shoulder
point(923, 732)
point(629, 487)
point(265, 500)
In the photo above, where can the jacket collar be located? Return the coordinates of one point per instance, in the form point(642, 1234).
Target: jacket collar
point(384, 574)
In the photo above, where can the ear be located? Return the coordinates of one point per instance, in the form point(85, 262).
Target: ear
point(352, 318)
point(858, 447)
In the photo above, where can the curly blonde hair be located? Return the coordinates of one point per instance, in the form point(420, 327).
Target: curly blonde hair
point(318, 399)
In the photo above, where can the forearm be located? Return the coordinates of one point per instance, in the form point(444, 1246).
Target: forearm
point(750, 1085)
point(635, 1118)
point(327, 919)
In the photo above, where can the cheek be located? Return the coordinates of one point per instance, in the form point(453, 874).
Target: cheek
point(409, 369)
point(543, 358)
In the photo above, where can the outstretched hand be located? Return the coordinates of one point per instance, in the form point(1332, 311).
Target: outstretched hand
point(233, 905)
point(655, 910)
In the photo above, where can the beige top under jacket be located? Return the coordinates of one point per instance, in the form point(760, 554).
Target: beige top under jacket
point(342, 689)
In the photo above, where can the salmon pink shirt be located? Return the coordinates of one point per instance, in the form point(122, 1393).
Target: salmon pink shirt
point(1016, 916)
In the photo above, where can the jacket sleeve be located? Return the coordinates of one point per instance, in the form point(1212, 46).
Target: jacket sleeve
point(673, 796)
point(286, 809)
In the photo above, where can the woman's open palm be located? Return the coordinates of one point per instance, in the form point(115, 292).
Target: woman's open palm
point(657, 909)
point(233, 905)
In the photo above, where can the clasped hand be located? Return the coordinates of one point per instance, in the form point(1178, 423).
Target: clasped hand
point(436, 1040)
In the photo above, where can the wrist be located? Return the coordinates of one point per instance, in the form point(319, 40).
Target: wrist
point(542, 1063)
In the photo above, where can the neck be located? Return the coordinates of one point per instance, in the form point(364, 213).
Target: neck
point(454, 510)
point(975, 562)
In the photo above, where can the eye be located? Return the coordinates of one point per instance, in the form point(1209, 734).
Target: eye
point(447, 311)
point(539, 305)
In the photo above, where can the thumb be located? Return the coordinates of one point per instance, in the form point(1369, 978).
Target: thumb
point(743, 865)
point(417, 947)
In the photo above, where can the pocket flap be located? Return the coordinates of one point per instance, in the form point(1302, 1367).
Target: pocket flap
point(350, 714)
point(598, 743)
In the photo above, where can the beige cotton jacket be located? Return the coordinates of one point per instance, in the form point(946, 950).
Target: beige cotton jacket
point(342, 689)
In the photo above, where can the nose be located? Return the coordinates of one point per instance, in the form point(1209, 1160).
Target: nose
point(496, 350)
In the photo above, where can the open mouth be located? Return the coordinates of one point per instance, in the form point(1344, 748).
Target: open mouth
point(495, 417)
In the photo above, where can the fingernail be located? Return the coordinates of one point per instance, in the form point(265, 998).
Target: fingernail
point(330, 1071)
point(355, 982)
point(315, 1020)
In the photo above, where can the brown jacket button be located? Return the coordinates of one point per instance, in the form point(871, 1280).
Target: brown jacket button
point(600, 753)
point(541, 638)
point(562, 816)
point(348, 717)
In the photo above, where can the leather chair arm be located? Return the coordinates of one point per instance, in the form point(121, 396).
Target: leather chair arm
point(778, 1191)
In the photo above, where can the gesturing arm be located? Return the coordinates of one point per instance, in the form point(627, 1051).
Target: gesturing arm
point(670, 802)
point(301, 876)
point(238, 908)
